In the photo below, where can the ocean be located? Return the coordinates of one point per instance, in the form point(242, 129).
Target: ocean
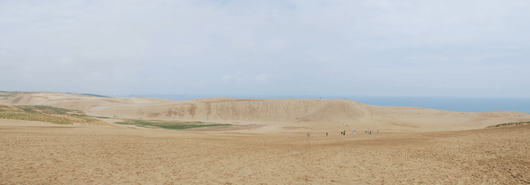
point(441, 103)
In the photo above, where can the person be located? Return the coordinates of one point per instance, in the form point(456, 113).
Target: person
point(377, 131)
point(308, 134)
point(326, 133)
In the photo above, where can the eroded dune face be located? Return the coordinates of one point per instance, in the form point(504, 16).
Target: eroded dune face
point(301, 114)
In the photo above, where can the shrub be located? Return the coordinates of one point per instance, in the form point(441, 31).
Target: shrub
point(508, 124)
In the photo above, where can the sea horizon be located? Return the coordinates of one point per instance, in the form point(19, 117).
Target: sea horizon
point(459, 104)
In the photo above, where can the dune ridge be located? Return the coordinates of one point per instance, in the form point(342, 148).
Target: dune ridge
point(274, 114)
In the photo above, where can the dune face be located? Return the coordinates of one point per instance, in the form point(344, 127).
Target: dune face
point(274, 114)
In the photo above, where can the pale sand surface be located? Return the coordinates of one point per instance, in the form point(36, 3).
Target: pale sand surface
point(267, 144)
point(49, 154)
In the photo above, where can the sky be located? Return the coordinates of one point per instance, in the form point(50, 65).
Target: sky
point(453, 48)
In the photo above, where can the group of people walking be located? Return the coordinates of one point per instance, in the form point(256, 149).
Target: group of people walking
point(370, 132)
point(353, 132)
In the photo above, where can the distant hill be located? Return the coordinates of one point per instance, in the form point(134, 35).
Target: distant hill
point(274, 114)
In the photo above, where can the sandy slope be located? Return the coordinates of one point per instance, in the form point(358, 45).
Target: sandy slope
point(41, 154)
point(276, 115)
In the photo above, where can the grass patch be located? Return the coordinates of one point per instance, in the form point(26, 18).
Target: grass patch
point(35, 117)
point(44, 114)
point(27, 109)
point(47, 109)
point(103, 117)
point(508, 124)
point(95, 95)
point(4, 107)
point(174, 125)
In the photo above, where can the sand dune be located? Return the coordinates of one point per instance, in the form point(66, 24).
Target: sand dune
point(275, 152)
point(275, 114)
point(44, 153)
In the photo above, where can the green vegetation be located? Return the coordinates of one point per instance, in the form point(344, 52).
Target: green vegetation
point(48, 109)
point(102, 117)
point(35, 117)
point(45, 114)
point(66, 116)
point(175, 125)
point(508, 124)
point(95, 95)
point(27, 109)
point(3, 107)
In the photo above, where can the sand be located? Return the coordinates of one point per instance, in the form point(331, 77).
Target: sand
point(420, 146)
point(309, 115)
point(115, 155)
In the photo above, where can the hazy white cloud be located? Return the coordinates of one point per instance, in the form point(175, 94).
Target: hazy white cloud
point(362, 47)
point(263, 77)
point(3, 53)
point(226, 77)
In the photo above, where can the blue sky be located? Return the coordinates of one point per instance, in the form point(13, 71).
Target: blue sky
point(382, 48)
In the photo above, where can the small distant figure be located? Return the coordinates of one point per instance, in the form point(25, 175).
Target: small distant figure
point(326, 134)
point(377, 131)
point(346, 125)
point(308, 134)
